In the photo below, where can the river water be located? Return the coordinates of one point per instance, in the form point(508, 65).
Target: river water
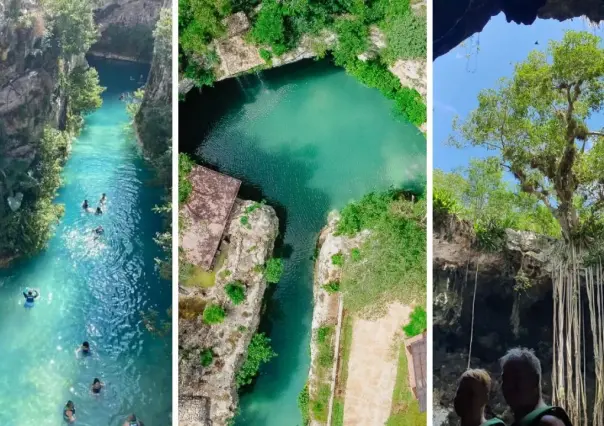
point(97, 290)
point(308, 138)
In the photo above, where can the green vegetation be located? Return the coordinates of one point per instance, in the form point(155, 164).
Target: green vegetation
point(342, 376)
point(273, 270)
point(480, 195)
point(279, 27)
point(258, 352)
point(236, 292)
point(72, 25)
point(185, 166)
point(245, 221)
point(417, 323)
point(213, 314)
point(405, 408)
point(319, 402)
point(337, 259)
point(254, 206)
point(332, 287)
point(355, 255)
point(536, 123)
point(319, 405)
point(206, 357)
point(394, 264)
point(303, 405)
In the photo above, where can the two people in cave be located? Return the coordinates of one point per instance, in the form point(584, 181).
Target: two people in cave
point(521, 386)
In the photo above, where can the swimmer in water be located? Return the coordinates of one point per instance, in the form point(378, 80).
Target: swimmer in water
point(99, 230)
point(122, 97)
point(98, 211)
point(85, 349)
point(96, 387)
point(132, 420)
point(103, 199)
point(30, 296)
point(69, 412)
point(85, 205)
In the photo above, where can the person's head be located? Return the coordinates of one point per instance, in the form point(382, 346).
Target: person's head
point(521, 379)
point(103, 195)
point(472, 393)
point(132, 418)
point(96, 381)
point(98, 210)
point(86, 346)
point(70, 405)
point(30, 293)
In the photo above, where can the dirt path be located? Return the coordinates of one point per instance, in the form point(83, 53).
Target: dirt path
point(372, 368)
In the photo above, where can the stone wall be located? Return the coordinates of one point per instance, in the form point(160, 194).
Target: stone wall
point(208, 395)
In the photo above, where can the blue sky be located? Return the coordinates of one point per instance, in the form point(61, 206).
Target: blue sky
point(458, 79)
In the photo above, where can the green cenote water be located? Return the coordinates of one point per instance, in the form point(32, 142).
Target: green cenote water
point(308, 138)
point(92, 289)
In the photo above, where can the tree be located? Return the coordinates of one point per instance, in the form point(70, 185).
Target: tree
point(259, 352)
point(235, 291)
point(536, 122)
point(72, 25)
point(213, 314)
point(84, 90)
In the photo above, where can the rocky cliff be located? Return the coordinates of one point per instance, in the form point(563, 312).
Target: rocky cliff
point(513, 307)
point(126, 28)
point(208, 395)
point(456, 21)
point(154, 118)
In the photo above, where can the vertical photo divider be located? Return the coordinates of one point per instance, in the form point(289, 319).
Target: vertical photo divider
point(429, 211)
point(175, 212)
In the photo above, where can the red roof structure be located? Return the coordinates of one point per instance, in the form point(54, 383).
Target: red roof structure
point(206, 214)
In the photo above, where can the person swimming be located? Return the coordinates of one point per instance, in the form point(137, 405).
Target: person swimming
point(103, 199)
point(30, 296)
point(98, 211)
point(85, 205)
point(132, 420)
point(85, 349)
point(69, 412)
point(96, 386)
point(99, 230)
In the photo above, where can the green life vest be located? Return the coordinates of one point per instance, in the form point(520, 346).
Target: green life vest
point(532, 418)
point(494, 422)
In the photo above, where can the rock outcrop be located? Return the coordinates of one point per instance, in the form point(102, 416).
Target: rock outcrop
point(456, 21)
point(126, 28)
point(154, 118)
point(208, 395)
point(325, 305)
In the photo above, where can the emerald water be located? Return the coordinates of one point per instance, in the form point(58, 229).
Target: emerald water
point(307, 138)
point(92, 289)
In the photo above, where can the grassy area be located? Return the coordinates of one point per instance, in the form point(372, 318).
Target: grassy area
point(196, 276)
point(342, 377)
point(405, 408)
point(190, 308)
point(417, 323)
point(319, 401)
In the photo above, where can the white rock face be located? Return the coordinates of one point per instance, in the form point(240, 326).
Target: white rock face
point(208, 395)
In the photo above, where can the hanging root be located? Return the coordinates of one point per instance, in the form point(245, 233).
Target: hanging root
point(569, 366)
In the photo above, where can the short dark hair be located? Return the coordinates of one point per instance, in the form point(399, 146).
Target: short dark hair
point(86, 344)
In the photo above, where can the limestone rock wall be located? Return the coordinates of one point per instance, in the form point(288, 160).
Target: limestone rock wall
point(154, 118)
point(126, 28)
point(208, 395)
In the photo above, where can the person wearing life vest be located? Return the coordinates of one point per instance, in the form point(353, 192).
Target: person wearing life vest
point(521, 386)
point(471, 399)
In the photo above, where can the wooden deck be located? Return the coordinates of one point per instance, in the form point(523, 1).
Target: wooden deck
point(206, 214)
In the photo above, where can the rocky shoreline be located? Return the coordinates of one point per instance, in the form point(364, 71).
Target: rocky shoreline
point(327, 306)
point(208, 395)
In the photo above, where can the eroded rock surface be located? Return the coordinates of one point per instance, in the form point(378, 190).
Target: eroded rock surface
point(208, 395)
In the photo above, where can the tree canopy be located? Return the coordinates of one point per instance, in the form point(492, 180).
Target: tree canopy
point(537, 124)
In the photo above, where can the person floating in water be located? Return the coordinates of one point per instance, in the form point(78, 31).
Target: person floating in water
point(132, 420)
point(98, 211)
point(30, 296)
point(85, 205)
point(96, 386)
point(99, 230)
point(103, 199)
point(69, 412)
point(84, 349)
point(122, 97)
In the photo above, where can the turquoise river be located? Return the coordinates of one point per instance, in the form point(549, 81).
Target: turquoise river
point(95, 289)
point(308, 138)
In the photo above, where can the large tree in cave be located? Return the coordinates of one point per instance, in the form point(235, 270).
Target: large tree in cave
point(536, 123)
